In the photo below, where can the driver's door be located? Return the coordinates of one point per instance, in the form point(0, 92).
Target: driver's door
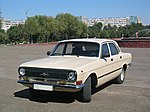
point(104, 72)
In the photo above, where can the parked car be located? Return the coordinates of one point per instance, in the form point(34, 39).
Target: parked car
point(76, 65)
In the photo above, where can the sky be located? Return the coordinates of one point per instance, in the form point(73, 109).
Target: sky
point(19, 9)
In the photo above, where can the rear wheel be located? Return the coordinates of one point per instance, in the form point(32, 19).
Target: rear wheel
point(120, 79)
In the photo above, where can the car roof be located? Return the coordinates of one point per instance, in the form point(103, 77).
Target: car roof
point(89, 40)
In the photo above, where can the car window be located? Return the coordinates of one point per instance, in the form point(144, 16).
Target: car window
point(69, 48)
point(59, 49)
point(105, 50)
point(88, 49)
point(113, 49)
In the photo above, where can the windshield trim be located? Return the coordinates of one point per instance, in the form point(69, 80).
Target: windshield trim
point(65, 46)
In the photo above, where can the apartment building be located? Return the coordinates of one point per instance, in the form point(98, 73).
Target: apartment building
point(118, 21)
point(6, 23)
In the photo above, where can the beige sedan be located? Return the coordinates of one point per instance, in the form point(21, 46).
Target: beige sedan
point(76, 65)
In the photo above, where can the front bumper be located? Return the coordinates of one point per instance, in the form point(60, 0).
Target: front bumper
point(56, 87)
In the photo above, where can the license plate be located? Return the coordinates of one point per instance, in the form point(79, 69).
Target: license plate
point(43, 87)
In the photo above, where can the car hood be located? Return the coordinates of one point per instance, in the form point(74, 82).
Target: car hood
point(60, 62)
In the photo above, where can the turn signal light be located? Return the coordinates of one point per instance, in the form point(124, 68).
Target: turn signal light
point(78, 82)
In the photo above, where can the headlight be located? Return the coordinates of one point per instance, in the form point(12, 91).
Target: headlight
point(72, 76)
point(22, 71)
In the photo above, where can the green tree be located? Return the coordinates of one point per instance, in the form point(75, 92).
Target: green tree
point(15, 34)
point(70, 26)
point(3, 37)
point(95, 30)
point(0, 23)
point(32, 28)
point(65, 26)
point(105, 34)
point(46, 25)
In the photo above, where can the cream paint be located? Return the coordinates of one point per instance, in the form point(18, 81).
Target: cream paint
point(85, 66)
point(59, 62)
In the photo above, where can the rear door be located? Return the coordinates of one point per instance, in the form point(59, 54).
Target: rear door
point(115, 58)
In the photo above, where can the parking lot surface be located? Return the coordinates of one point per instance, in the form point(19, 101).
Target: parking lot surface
point(131, 96)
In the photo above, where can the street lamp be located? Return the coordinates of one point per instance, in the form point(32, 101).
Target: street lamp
point(30, 37)
point(26, 12)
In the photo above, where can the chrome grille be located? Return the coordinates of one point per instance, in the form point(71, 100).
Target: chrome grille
point(51, 74)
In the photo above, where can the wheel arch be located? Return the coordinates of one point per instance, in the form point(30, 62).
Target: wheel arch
point(125, 66)
point(94, 80)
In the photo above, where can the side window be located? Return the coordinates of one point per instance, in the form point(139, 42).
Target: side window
point(69, 48)
point(105, 51)
point(60, 49)
point(113, 49)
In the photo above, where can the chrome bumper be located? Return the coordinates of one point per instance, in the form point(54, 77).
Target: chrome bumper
point(56, 87)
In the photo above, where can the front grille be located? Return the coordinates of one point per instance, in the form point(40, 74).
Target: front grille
point(53, 74)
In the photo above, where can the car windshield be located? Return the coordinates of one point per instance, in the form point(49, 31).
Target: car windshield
point(88, 49)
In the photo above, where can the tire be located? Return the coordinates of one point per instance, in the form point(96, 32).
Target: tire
point(120, 79)
point(86, 91)
point(34, 93)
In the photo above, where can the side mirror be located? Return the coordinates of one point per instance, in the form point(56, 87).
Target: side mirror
point(48, 53)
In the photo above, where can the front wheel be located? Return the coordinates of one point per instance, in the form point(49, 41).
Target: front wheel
point(86, 91)
point(120, 79)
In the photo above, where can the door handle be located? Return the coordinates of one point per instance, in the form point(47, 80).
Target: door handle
point(112, 59)
point(120, 57)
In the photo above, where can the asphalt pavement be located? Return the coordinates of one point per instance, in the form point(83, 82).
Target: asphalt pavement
point(131, 96)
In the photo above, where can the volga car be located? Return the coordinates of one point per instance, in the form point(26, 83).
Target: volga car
point(76, 65)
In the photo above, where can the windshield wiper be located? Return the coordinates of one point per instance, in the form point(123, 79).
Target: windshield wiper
point(56, 54)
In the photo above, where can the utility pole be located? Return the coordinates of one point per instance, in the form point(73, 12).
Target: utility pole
point(30, 36)
point(0, 18)
point(26, 13)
